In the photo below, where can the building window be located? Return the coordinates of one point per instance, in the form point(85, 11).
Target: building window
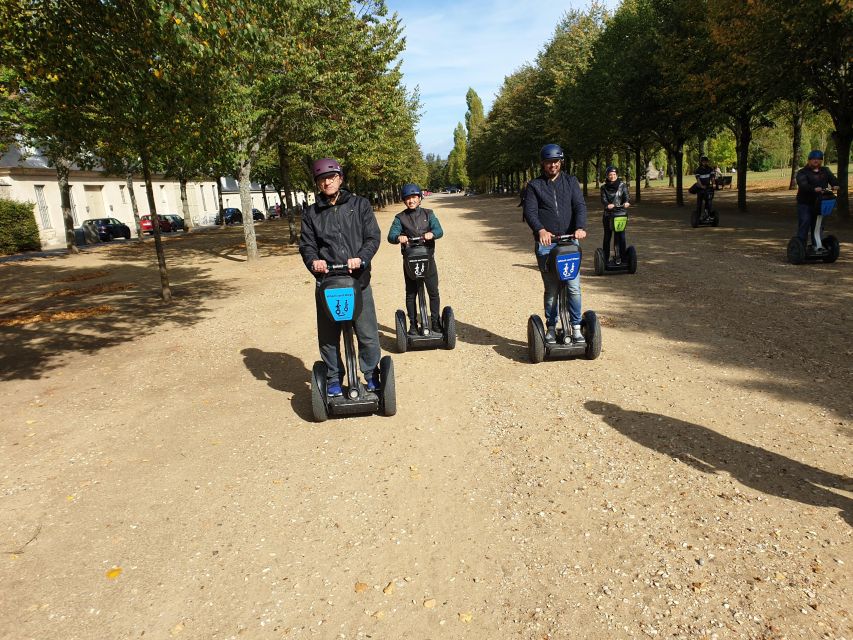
point(44, 214)
point(203, 201)
point(213, 193)
point(121, 190)
point(163, 194)
point(73, 206)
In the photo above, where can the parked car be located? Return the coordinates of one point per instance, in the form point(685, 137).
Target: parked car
point(177, 221)
point(257, 214)
point(232, 215)
point(147, 226)
point(108, 228)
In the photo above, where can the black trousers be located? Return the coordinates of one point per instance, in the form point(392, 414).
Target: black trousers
point(431, 282)
point(608, 236)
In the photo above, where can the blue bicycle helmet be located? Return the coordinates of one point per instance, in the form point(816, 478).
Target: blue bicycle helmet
point(551, 152)
point(817, 154)
point(411, 189)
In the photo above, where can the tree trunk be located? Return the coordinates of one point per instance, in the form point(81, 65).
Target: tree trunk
point(219, 198)
point(185, 204)
point(743, 136)
point(678, 155)
point(798, 113)
point(843, 140)
point(165, 289)
point(597, 168)
point(244, 175)
point(134, 206)
point(585, 177)
point(285, 181)
point(670, 170)
point(65, 200)
point(638, 167)
point(264, 196)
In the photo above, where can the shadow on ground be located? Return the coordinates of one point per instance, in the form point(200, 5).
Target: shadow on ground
point(725, 295)
point(710, 452)
point(282, 372)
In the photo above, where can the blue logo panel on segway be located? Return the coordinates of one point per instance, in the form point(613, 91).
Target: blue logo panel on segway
point(826, 206)
point(568, 265)
point(340, 302)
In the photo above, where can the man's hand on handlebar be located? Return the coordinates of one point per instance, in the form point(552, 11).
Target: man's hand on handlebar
point(320, 266)
point(403, 239)
point(429, 235)
point(545, 237)
point(611, 206)
point(353, 264)
point(580, 234)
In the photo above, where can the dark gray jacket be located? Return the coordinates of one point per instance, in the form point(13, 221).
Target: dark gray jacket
point(807, 180)
point(335, 233)
point(554, 205)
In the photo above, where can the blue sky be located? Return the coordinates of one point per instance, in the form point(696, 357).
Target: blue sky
point(453, 45)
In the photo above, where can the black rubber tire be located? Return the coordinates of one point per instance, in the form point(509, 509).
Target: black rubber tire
point(715, 218)
point(318, 392)
point(592, 334)
point(448, 322)
point(598, 262)
point(388, 392)
point(109, 237)
point(127, 235)
point(402, 336)
point(694, 219)
point(833, 248)
point(535, 339)
point(796, 251)
point(632, 260)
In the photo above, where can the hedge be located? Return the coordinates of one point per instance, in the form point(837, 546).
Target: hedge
point(18, 230)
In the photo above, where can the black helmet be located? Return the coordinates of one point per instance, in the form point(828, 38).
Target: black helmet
point(704, 159)
point(611, 168)
point(551, 152)
point(411, 189)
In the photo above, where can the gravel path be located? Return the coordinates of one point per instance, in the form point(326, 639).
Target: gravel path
point(162, 477)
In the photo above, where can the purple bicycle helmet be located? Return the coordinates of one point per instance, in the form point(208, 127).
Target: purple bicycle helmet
point(325, 165)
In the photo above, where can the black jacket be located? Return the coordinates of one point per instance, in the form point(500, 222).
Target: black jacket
point(807, 180)
point(554, 205)
point(705, 175)
point(335, 233)
point(615, 194)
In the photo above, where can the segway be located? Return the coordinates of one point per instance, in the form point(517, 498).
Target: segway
point(565, 260)
point(825, 249)
point(706, 216)
point(340, 297)
point(417, 262)
point(618, 222)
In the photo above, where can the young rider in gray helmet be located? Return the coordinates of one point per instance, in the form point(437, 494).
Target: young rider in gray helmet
point(341, 228)
point(554, 205)
point(615, 199)
point(415, 221)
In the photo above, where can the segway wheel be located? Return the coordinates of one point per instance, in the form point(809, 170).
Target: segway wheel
point(448, 321)
point(388, 396)
point(535, 339)
point(598, 262)
point(796, 251)
point(694, 219)
point(592, 334)
point(632, 260)
point(833, 249)
point(318, 392)
point(402, 337)
point(715, 218)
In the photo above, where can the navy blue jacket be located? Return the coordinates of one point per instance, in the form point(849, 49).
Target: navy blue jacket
point(554, 205)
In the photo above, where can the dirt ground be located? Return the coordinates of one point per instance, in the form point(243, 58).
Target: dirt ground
point(162, 477)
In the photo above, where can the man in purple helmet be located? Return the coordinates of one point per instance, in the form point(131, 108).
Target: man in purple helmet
point(341, 228)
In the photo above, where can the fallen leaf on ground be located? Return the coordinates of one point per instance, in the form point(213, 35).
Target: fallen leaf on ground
point(361, 587)
point(113, 573)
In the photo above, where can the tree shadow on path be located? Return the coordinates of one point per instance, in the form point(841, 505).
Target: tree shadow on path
point(710, 452)
point(282, 372)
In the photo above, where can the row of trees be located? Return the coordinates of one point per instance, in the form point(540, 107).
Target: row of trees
point(667, 74)
point(204, 88)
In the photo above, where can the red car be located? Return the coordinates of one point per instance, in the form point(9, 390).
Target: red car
point(147, 227)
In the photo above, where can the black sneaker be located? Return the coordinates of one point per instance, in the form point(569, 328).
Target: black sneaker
point(413, 329)
point(550, 335)
point(436, 325)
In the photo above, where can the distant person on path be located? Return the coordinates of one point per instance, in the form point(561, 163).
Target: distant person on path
point(341, 228)
point(615, 198)
point(812, 181)
point(554, 205)
point(704, 186)
point(413, 222)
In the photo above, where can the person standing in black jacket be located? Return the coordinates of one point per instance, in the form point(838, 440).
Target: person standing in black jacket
point(553, 206)
point(341, 228)
point(615, 198)
point(812, 181)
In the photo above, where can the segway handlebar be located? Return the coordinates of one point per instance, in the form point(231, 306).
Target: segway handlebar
point(565, 238)
point(416, 240)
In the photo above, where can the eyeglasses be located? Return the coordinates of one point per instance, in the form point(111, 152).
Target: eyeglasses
point(330, 178)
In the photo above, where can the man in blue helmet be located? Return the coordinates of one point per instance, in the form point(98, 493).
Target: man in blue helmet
point(554, 205)
point(341, 228)
point(415, 221)
point(812, 181)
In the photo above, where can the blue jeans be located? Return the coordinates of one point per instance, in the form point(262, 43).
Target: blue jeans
point(552, 284)
point(806, 219)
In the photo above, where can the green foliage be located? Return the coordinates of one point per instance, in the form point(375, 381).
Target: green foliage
point(457, 174)
point(18, 230)
point(721, 149)
point(475, 118)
